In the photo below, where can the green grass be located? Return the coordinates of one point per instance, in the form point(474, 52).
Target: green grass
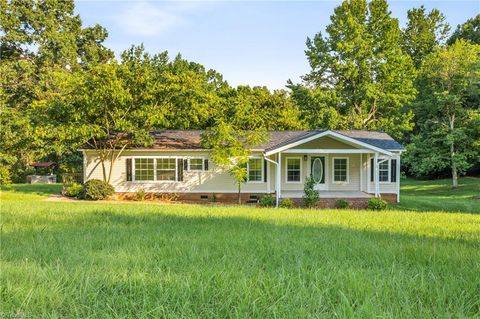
point(98, 260)
point(438, 195)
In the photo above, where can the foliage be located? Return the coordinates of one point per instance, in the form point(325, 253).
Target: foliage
point(100, 267)
point(96, 189)
point(141, 194)
point(311, 196)
point(286, 203)
point(377, 203)
point(424, 33)
point(361, 70)
point(267, 201)
point(74, 190)
point(447, 108)
point(341, 203)
point(470, 31)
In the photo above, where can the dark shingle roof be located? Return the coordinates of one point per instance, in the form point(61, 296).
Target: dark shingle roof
point(191, 139)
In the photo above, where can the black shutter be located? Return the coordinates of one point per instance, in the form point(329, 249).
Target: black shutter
point(393, 170)
point(372, 170)
point(185, 164)
point(265, 163)
point(205, 164)
point(322, 159)
point(129, 169)
point(180, 163)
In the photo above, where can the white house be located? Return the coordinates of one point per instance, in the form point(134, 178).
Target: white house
point(352, 164)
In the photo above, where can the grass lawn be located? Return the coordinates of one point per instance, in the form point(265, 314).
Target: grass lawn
point(438, 195)
point(98, 260)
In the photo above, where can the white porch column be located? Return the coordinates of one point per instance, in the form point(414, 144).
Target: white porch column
point(398, 179)
point(278, 178)
point(361, 172)
point(375, 174)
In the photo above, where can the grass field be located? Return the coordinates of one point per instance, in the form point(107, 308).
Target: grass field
point(98, 260)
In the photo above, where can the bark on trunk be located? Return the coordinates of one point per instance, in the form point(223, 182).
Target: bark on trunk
point(239, 194)
point(452, 154)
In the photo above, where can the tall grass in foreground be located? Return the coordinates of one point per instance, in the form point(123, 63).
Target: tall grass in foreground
point(96, 260)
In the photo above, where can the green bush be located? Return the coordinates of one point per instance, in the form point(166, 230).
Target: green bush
point(341, 203)
point(267, 201)
point(96, 189)
point(311, 196)
point(376, 204)
point(286, 203)
point(141, 194)
point(73, 190)
point(5, 176)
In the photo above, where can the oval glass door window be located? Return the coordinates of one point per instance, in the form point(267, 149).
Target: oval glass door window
point(317, 170)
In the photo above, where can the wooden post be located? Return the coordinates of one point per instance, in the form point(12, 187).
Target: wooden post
point(375, 174)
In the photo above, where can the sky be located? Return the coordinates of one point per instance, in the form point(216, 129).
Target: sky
point(249, 42)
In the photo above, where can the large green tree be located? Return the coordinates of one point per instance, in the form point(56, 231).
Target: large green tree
point(37, 38)
point(360, 70)
point(448, 112)
point(470, 30)
point(423, 33)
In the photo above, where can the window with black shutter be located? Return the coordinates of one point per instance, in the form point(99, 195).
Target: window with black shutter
point(393, 172)
point(180, 167)
point(129, 169)
point(205, 164)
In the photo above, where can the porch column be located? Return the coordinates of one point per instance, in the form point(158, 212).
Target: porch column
point(278, 179)
point(398, 179)
point(375, 174)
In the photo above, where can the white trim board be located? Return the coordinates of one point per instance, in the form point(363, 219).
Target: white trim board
point(334, 135)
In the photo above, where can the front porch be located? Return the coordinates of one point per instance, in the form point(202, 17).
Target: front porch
point(329, 194)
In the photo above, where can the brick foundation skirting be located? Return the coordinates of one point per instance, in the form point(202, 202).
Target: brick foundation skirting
point(232, 198)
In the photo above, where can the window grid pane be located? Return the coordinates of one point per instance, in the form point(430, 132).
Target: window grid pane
point(144, 169)
point(340, 170)
point(196, 164)
point(293, 169)
point(166, 169)
point(383, 171)
point(255, 170)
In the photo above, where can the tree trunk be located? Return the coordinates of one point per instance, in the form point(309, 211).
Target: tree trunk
point(454, 167)
point(452, 154)
point(239, 194)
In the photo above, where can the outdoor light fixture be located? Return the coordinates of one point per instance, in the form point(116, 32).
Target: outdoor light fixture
point(305, 158)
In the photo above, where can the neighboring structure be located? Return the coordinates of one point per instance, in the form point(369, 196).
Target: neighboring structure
point(353, 165)
point(43, 173)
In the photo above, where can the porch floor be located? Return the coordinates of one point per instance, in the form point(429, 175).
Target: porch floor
point(329, 194)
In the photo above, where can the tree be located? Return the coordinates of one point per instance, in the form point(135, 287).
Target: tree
point(230, 149)
point(470, 31)
point(449, 135)
point(362, 65)
point(423, 33)
point(37, 38)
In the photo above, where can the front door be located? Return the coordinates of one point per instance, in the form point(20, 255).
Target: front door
point(317, 169)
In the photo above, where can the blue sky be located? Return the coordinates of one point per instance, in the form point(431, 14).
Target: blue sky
point(249, 42)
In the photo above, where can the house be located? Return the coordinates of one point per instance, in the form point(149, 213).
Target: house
point(353, 165)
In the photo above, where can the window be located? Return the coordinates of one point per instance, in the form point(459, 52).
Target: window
point(195, 164)
point(144, 169)
point(340, 170)
point(255, 170)
point(384, 171)
point(166, 169)
point(294, 170)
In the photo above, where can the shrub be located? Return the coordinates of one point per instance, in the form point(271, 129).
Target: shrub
point(286, 203)
point(311, 196)
point(267, 201)
point(341, 203)
point(73, 190)
point(5, 176)
point(96, 189)
point(376, 204)
point(141, 194)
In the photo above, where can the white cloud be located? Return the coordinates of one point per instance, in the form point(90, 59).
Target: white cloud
point(154, 18)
